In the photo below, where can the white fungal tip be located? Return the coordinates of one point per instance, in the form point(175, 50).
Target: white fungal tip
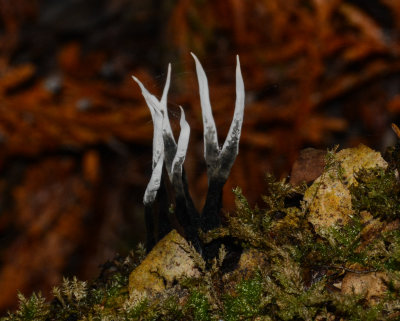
point(166, 88)
point(183, 142)
point(211, 147)
point(139, 83)
point(231, 145)
point(197, 62)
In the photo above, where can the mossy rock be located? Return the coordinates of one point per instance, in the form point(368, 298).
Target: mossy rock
point(166, 263)
point(328, 199)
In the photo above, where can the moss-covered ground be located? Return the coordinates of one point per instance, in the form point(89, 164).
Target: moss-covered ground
point(306, 276)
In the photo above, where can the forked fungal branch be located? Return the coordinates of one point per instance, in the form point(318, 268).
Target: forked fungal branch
point(219, 161)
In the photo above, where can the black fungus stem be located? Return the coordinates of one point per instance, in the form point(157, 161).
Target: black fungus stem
point(149, 221)
point(210, 218)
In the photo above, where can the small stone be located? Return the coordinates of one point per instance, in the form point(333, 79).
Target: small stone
point(329, 203)
point(353, 159)
point(371, 284)
point(328, 199)
point(166, 263)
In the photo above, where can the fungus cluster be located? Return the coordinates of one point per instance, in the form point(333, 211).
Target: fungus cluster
point(168, 152)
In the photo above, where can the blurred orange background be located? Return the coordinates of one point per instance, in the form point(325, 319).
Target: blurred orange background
point(75, 133)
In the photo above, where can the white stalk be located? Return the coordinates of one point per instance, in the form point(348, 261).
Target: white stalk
point(219, 162)
point(154, 183)
point(163, 107)
point(183, 143)
point(230, 149)
point(156, 108)
point(211, 148)
point(157, 116)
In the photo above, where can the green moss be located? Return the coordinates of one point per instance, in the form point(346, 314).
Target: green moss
point(34, 308)
point(377, 191)
point(392, 155)
point(332, 166)
point(257, 227)
point(300, 279)
point(246, 304)
point(353, 308)
point(134, 312)
point(198, 307)
point(391, 251)
point(339, 250)
point(77, 300)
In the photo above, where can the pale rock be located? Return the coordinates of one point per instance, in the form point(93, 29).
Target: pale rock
point(166, 263)
point(328, 199)
point(353, 159)
point(372, 285)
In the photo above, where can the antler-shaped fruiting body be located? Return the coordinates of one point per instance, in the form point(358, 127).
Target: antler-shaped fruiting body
point(219, 160)
point(165, 147)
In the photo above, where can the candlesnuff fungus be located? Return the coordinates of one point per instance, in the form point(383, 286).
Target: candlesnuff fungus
point(219, 161)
